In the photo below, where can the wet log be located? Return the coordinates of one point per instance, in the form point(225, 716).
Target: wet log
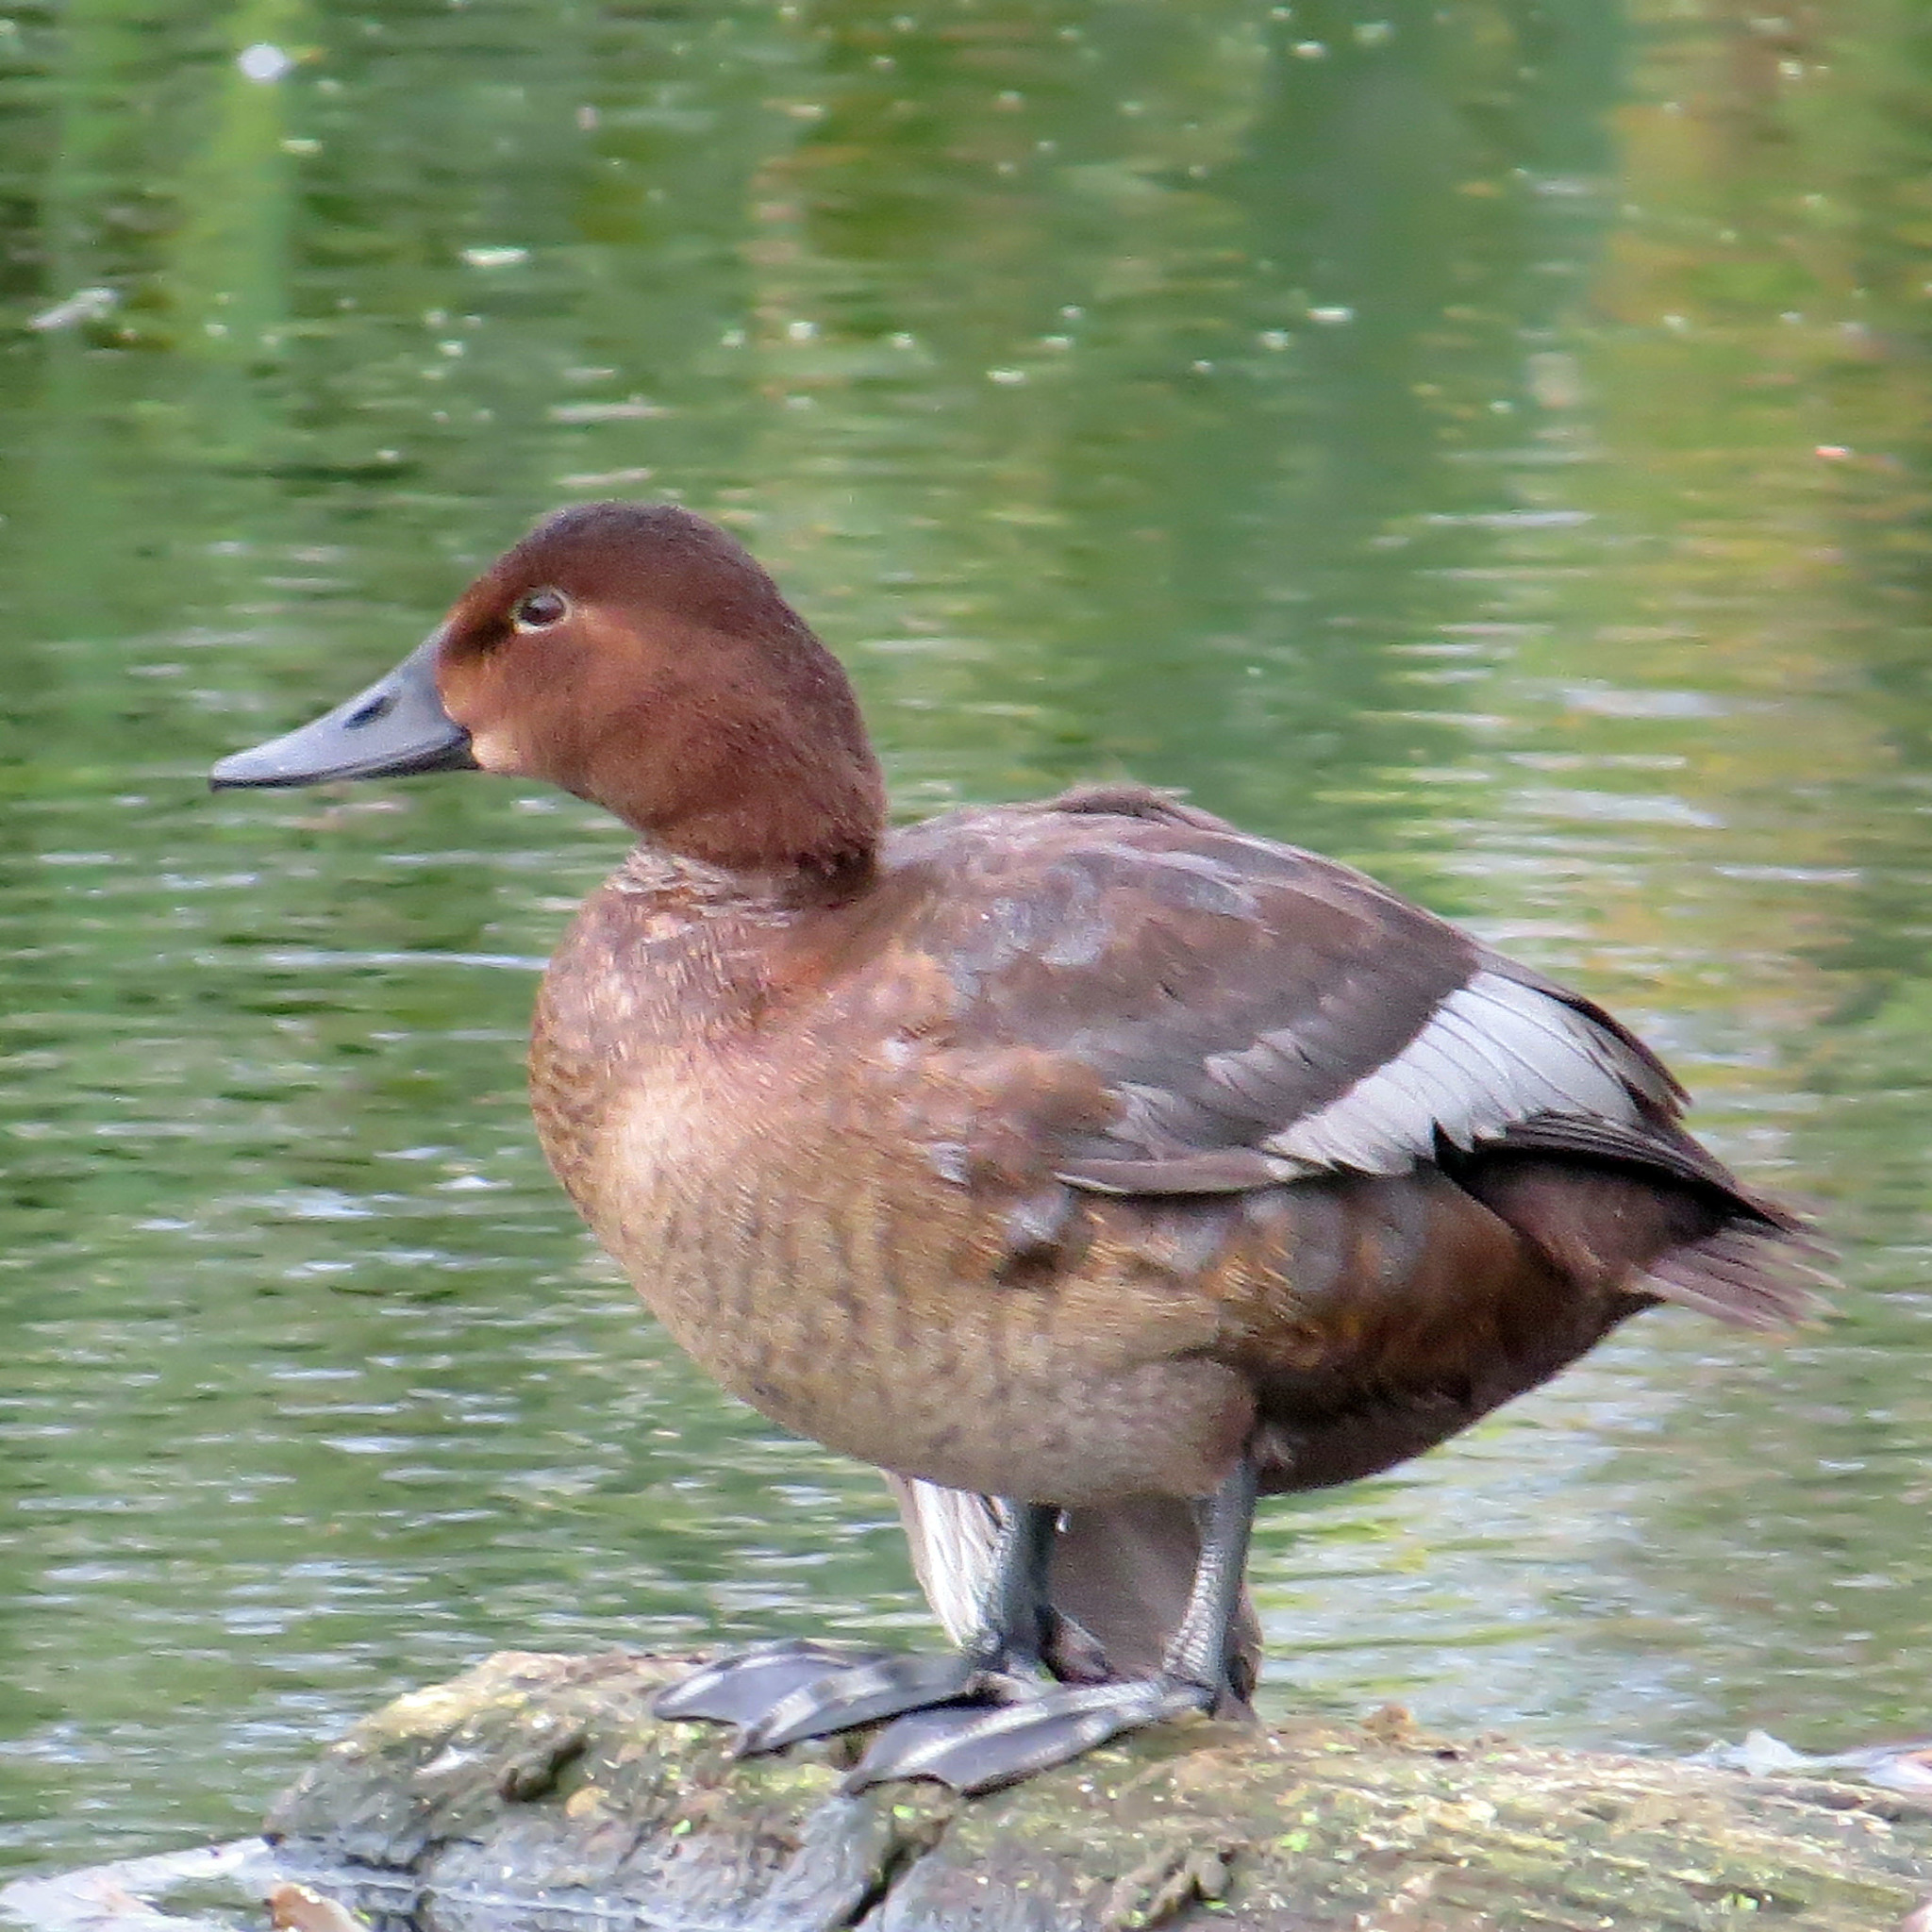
point(538, 1791)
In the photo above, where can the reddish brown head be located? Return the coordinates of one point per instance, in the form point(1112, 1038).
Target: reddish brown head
point(637, 656)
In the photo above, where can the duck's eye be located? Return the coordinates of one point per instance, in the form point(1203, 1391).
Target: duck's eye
point(540, 609)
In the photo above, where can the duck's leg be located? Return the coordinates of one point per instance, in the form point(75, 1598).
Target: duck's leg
point(781, 1692)
point(974, 1750)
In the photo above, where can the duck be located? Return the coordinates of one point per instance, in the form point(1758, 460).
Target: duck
point(1091, 1167)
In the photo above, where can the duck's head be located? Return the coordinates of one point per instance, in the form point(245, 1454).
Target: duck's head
point(637, 656)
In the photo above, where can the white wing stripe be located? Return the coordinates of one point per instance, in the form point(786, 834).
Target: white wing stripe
point(1531, 1079)
point(1575, 1071)
point(1495, 1051)
point(1443, 1084)
point(1494, 1055)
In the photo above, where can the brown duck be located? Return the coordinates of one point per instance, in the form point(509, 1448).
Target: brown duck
point(1091, 1167)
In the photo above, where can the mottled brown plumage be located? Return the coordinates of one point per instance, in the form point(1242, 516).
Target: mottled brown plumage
point(1083, 1153)
point(839, 1139)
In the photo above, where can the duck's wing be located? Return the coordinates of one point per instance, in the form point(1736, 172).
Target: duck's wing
point(1257, 1014)
point(1182, 1009)
point(1495, 1056)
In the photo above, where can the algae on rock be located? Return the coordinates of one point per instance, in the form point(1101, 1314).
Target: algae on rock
point(539, 1790)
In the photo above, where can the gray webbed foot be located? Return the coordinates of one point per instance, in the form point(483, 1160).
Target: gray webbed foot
point(976, 1749)
point(780, 1693)
point(842, 1700)
point(981, 1716)
point(743, 1687)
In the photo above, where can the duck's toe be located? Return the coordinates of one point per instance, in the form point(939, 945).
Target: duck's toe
point(977, 1749)
point(745, 1686)
point(861, 1693)
point(778, 1693)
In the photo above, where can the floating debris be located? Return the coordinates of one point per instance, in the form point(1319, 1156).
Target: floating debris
point(264, 62)
point(302, 1908)
point(1894, 1767)
point(84, 304)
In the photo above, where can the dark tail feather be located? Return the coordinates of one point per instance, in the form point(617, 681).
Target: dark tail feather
point(1750, 1276)
point(1121, 1577)
point(1705, 1242)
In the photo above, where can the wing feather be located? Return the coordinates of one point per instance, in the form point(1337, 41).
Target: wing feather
point(1498, 1069)
point(1205, 1011)
point(1493, 1053)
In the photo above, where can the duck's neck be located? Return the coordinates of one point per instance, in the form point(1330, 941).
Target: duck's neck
point(787, 831)
point(773, 782)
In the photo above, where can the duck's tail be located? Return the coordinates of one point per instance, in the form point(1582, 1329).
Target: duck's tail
point(1120, 1581)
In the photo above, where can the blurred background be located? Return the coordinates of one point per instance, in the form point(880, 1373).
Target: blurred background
point(1489, 441)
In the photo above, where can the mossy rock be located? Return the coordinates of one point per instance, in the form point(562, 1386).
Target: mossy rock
point(539, 1790)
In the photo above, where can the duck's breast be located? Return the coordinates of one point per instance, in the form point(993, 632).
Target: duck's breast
point(790, 1198)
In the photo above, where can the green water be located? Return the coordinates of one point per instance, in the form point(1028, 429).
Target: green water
point(1488, 442)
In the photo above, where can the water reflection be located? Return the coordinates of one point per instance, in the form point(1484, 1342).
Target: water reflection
point(1479, 444)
